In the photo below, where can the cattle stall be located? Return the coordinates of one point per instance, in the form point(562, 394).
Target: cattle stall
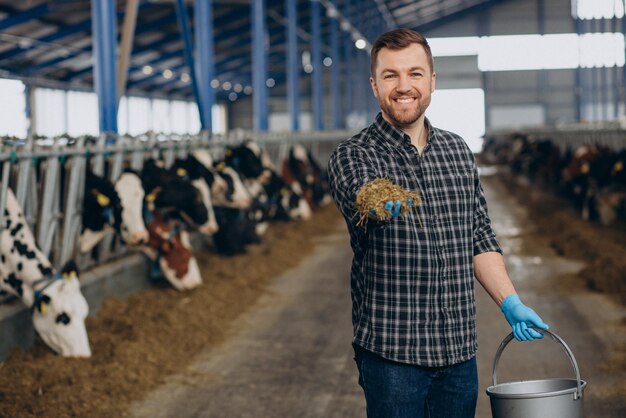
point(583, 163)
point(48, 179)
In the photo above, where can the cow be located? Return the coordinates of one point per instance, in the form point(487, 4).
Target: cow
point(300, 167)
point(611, 198)
point(102, 211)
point(58, 307)
point(130, 190)
point(171, 248)
point(202, 179)
point(175, 197)
point(285, 202)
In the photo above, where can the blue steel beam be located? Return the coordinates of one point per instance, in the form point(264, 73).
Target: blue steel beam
point(104, 45)
point(259, 63)
point(348, 47)
point(335, 109)
point(83, 26)
point(143, 27)
point(624, 67)
point(24, 16)
point(318, 68)
point(183, 21)
point(578, 91)
point(615, 76)
point(203, 16)
point(453, 16)
point(161, 43)
point(45, 66)
point(293, 73)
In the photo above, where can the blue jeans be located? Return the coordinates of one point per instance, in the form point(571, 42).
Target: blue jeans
point(398, 390)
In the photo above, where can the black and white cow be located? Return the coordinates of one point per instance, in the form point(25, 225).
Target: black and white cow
point(202, 179)
point(300, 167)
point(102, 212)
point(285, 203)
point(174, 197)
point(58, 307)
point(130, 191)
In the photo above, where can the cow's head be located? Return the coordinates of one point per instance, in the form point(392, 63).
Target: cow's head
point(59, 312)
point(235, 194)
point(101, 211)
point(244, 160)
point(131, 193)
point(176, 259)
point(58, 306)
point(201, 178)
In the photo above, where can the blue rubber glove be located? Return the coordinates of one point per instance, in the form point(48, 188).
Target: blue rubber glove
point(394, 209)
point(521, 317)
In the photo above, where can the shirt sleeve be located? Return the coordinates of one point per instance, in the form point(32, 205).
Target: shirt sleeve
point(348, 170)
point(484, 236)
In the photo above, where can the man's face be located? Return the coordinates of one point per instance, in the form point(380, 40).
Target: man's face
point(403, 84)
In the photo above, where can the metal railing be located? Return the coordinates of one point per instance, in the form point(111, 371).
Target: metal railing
point(47, 177)
point(608, 134)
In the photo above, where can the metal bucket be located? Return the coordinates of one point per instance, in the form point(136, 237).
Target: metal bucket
point(549, 398)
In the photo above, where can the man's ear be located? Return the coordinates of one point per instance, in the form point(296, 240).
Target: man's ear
point(373, 85)
point(433, 82)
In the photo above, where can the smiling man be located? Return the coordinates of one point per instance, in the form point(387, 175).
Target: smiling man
point(412, 278)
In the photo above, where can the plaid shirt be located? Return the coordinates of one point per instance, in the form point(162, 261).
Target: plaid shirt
point(413, 279)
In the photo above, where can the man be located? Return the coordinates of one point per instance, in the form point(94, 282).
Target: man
point(412, 276)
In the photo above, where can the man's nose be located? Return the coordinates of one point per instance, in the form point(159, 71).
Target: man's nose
point(404, 85)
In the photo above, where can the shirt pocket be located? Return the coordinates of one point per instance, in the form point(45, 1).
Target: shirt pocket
point(457, 193)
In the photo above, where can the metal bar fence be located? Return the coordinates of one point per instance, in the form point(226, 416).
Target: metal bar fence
point(48, 177)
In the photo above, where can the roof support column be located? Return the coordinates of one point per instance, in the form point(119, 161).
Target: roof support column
point(203, 19)
point(348, 49)
point(578, 91)
point(624, 68)
point(183, 22)
point(335, 109)
point(594, 27)
point(293, 70)
point(104, 25)
point(31, 117)
point(318, 68)
point(259, 66)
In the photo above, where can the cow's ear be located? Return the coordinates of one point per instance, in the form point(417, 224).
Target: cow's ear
point(70, 268)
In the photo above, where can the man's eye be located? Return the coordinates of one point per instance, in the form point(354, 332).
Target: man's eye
point(388, 76)
point(416, 74)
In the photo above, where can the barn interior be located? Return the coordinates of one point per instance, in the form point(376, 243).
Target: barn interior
point(232, 298)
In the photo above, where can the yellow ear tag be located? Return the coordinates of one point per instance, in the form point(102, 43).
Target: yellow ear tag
point(585, 168)
point(619, 166)
point(103, 200)
point(228, 152)
point(69, 275)
point(43, 308)
point(284, 192)
point(181, 172)
point(150, 197)
point(65, 276)
point(220, 166)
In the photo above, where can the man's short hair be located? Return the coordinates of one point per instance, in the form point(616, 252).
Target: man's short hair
point(399, 39)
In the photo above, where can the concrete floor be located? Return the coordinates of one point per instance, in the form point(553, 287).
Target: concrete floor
point(292, 355)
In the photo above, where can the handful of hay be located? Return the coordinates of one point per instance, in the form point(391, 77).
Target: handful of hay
point(371, 199)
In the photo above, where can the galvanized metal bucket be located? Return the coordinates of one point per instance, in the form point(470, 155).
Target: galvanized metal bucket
point(549, 398)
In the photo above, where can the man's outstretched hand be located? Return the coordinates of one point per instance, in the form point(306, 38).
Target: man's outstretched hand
point(394, 209)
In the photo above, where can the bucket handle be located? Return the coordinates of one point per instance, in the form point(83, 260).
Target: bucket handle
point(557, 339)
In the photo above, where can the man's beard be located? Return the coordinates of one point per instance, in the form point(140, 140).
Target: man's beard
point(407, 117)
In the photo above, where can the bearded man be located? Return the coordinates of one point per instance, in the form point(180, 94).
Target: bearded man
point(412, 278)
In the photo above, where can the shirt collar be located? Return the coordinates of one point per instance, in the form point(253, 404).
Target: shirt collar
point(395, 136)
